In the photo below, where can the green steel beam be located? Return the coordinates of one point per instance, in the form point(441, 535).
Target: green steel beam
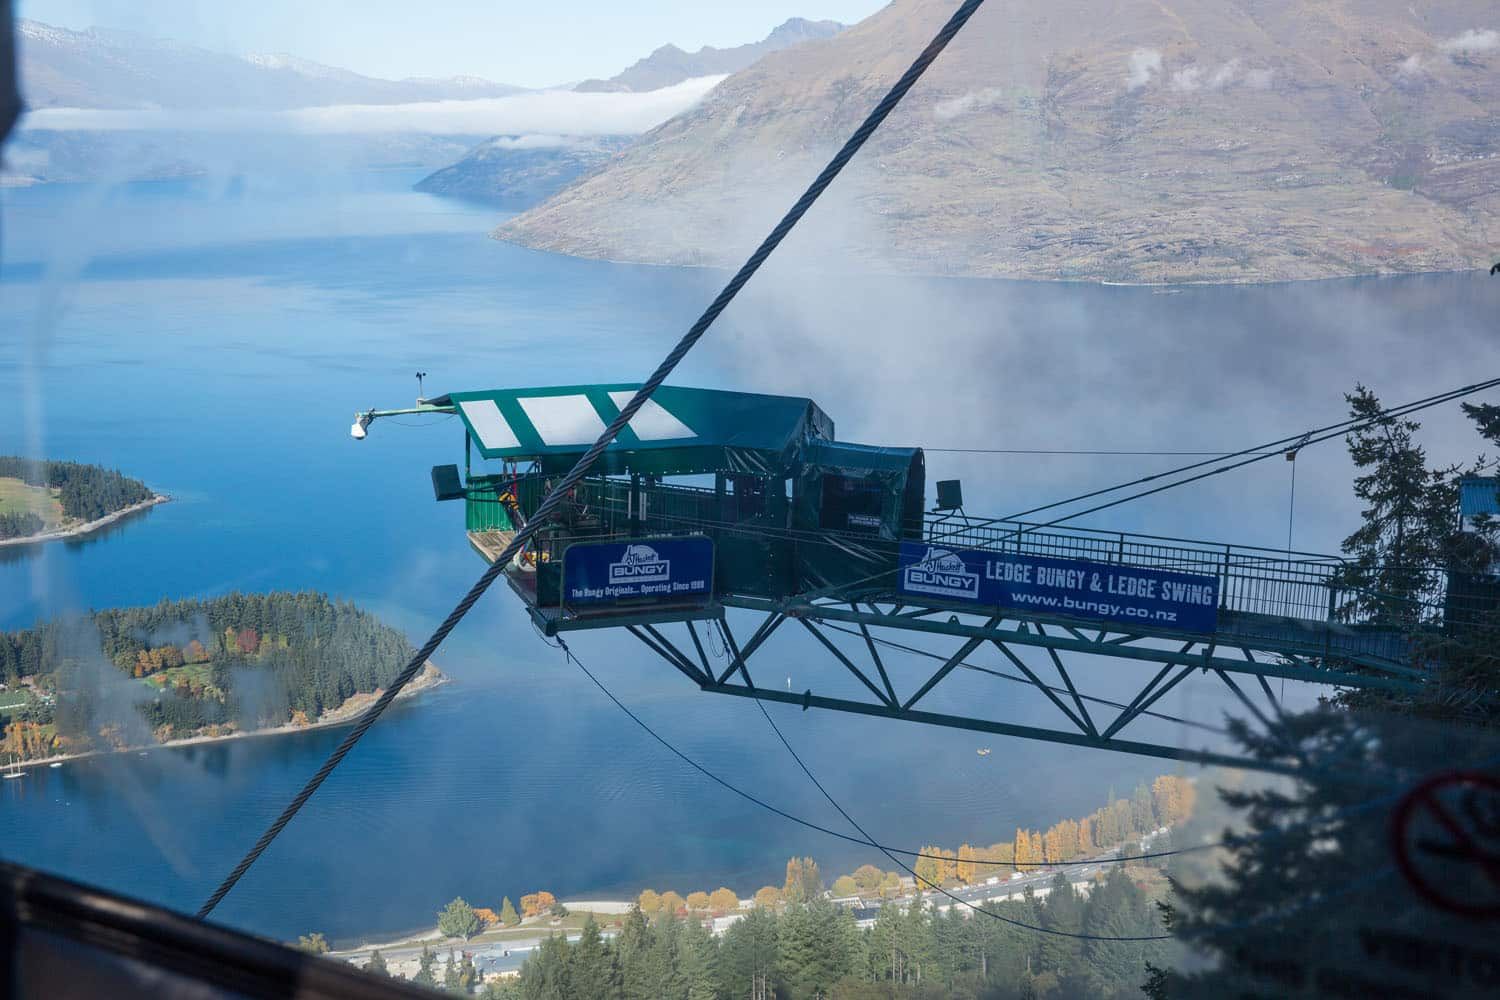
point(1311, 675)
point(1079, 739)
point(551, 623)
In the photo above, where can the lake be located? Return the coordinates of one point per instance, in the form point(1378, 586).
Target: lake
point(215, 337)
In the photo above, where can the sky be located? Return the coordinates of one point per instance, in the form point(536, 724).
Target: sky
point(529, 44)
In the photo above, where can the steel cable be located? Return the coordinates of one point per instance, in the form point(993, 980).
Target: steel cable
point(867, 841)
point(560, 491)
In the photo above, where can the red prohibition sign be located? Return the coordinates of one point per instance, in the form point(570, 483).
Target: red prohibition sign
point(1466, 848)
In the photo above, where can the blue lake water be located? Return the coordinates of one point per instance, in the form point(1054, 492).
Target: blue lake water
point(214, 340)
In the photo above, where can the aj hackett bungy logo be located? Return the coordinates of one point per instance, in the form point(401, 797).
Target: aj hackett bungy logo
point(650, 569)
point(640, 564)
point(942, 573)
point(1074, 588)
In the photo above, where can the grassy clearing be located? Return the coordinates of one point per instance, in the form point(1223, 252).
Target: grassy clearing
point(193, 673)
point(17, 497)
point(13, 699)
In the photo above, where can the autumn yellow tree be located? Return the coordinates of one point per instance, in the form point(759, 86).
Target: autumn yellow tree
point(1086, 844)
point(671, 903)
point(868, 877)
point(803, 881)
point(929, 866)
point(1173, 798)
point(768, 897)
point(965, 869)
point(537, 903)
point(844, 886)
point(697, 901)
point(723, 900)
point(649, 902)
point(949, 865)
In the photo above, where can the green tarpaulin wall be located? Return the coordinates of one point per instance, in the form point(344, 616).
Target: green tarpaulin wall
point(679, 431)
point(870, 497)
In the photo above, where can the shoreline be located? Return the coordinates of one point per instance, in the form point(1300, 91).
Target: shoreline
point(602, 910)
point(1103, 282)
point(88, 527)
point(347, 713)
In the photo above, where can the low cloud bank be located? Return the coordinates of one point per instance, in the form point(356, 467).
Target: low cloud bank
point(552, 112)
point(1142, 65)
point(1472, 42)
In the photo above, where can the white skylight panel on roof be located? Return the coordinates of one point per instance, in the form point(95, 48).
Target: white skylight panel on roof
point(484, 416)
point(652, 422)
point(561, 420)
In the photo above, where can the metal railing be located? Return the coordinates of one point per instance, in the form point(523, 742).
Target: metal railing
point(1252, 579)
point(1274, 583)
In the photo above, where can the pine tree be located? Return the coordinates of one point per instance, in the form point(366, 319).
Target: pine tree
point(1061, 911)
point(545, 974)
point(749, 955)
point(376, 964)
point(699, 962)
point(424, 976)
point(807, 966)
point(450, 974)
point(633, 947)
point(1408, 518)
point(508, 915)
point(590, 964)
point(1116, 908)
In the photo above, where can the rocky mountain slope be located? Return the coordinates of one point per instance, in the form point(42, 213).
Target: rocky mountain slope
point(669, 64)
point(1138, 140)
point(119, 69)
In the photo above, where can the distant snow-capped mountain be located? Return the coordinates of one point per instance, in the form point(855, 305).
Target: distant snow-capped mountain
point(101, 68)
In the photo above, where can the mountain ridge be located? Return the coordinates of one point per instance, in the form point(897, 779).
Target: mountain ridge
point(668, 64)
point(1176, 141)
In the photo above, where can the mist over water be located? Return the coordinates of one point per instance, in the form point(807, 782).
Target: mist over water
point(213, 339)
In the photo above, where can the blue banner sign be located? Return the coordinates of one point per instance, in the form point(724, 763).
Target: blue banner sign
point(661, 570)
point(1077, 588)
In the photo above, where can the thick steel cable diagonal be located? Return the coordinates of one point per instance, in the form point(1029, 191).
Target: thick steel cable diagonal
point(835, 166)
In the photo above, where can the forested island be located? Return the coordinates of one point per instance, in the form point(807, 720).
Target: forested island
point(41, 499)
point(132, 677)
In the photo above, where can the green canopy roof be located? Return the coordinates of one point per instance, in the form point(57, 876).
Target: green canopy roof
point(679, 430)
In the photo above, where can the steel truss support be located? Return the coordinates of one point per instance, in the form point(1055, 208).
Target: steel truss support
point(1078, 726)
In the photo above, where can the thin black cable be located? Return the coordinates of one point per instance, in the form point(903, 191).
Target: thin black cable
point(1274, 915)
point(1313, 437)
point(1260, 452)
point(762, 803)
point(560, 491)
point(888, 851)
point(559, 643)
point(920, 880)
point(1070, 451)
